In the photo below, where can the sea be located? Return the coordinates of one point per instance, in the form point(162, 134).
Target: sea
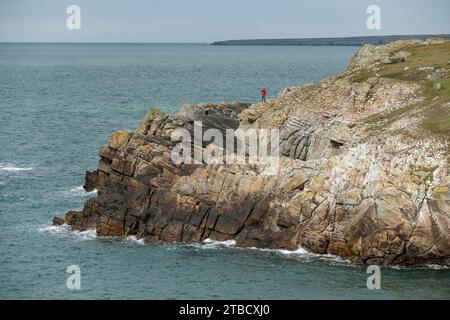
point(59, 103)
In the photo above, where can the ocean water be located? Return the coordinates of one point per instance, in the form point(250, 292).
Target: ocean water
point(59, 104)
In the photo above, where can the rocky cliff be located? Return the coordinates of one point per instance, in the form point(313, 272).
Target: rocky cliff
point(364, 167)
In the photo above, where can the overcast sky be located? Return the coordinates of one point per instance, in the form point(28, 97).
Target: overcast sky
point(209, 20)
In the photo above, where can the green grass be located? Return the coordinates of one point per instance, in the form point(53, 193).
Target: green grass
point(362, 75)
point(439, 124)
point(436, 113)
point(431, 92)
point(393, 115)
point(436, 56)
point(154, 111)
point(437, 117)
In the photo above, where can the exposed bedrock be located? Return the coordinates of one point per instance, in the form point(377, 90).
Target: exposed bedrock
point(361, 174)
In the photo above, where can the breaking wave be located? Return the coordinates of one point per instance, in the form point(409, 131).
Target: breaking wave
point(6, 167)
point(66, 232)
point(209, 243)
point(300, 254)
point(304, 255)
point(427, 267)
point(79, 191)
point(437, 267)
point(133, 239)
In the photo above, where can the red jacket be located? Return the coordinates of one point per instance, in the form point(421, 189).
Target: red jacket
point(263, 92)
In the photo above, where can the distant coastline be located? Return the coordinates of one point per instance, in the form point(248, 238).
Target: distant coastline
point(342, 41)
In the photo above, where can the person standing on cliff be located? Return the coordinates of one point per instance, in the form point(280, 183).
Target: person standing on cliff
point(263, 94)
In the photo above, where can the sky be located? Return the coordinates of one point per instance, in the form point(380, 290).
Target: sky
point(211, 20)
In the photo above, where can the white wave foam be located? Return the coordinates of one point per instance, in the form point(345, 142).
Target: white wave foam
point(299, 251)
point(65, 231)
point(86, 235)
point(133, 239)
point(54, 229)
point(437, 267)
point(90, 234)
point(12, 168)
point(304, 255)
point(419, 267)
point(79, 191)
point(299, 254)
point(307, 256)
point(212, 244)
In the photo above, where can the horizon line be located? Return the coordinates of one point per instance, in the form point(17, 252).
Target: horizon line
point(102, 42)
point(214, 41)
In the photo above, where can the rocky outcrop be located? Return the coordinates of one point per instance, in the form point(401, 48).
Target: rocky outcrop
point(364, 169)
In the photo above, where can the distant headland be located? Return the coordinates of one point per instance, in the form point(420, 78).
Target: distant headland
point(343, 41)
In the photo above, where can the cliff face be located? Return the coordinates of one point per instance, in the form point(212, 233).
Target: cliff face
point(364, 168)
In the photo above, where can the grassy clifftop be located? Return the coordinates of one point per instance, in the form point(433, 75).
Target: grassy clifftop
point(424, 63)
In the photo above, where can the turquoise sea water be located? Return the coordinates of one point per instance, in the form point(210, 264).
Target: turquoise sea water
point(59, 104)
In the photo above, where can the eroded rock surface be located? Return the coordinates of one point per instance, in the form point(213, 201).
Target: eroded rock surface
point(364, 172)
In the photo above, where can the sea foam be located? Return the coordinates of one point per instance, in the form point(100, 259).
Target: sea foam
point(6, 167)
point(79, 191)
point(209, 243)
point(66, 232)
point(133, 239)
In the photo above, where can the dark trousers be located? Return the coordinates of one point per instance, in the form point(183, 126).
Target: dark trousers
point(263, 98)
